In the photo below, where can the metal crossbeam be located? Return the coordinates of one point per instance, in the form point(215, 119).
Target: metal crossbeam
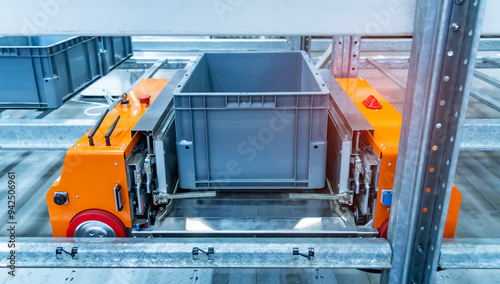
point(53, 134)
point(481, 134)
point(470, 253)
point(386, 74)
point(487, 100)
point(178, 252)
point(170, 44)
point(488, 79)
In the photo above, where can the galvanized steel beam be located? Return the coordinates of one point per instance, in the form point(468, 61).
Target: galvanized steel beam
point(470, 253)
point(171, 44)
point(50, 134)
point(178, 253)
point(481, 135)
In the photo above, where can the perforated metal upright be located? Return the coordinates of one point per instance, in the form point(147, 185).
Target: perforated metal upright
point(445, 39)
point(345, 56)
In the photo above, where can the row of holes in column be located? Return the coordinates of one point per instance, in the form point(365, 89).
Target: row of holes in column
point(438, 125)
point(354, 55)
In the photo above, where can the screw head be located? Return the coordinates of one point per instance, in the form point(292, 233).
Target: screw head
point(116, 164)
point(455, 27)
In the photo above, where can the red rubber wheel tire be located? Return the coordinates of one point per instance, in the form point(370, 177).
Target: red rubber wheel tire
point(97, 215)
point(383, 229)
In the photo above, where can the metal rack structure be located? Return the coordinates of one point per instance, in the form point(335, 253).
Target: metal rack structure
point(446, 38)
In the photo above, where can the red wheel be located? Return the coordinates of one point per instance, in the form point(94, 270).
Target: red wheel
point(383, 229)
point(96, 223)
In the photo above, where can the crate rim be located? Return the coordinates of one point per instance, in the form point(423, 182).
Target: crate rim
point(321, 83)
point(47, 46)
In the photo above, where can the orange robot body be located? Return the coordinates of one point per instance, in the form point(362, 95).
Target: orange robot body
point(90, 174)
point(386, 122)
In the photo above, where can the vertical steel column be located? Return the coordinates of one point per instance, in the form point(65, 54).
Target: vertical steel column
point(300, 43)
point(445, 39)
point(345, 56)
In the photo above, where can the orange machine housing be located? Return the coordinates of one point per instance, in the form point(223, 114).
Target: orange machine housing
point(90, 173)
point(386, 122)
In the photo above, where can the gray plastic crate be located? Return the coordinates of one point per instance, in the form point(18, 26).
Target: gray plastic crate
point(42, 71)
point(114, 50)
point(251, 120)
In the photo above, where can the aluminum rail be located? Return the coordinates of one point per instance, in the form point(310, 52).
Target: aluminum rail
point(487, 100)
point(170, 44)
point(470, 253)
point(178, 253)
point(386, 74)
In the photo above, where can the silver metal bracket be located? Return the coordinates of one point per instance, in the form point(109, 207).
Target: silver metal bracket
point(210, 253)
point(309, 255)
point(73, 253)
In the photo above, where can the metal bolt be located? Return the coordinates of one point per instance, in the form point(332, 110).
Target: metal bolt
point(116, 165)
point(91, 233)
point(77, 197)
point(459, 2)
point(420, 250)
point(101, 235)
point(390, 164)
point(455, 27)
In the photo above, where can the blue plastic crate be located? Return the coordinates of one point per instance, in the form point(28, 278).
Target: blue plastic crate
point(114, 50)
point(42, 71)
point(251, 120)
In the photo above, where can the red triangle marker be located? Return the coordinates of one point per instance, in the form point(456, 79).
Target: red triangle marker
point(372, 103)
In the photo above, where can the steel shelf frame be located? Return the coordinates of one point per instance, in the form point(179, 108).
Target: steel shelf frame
point(445, 38)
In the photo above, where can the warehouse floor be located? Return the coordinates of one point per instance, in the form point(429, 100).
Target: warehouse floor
point(477, 177)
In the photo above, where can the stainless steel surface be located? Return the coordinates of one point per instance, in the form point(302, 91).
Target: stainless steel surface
point(114, 83)
point(481, 134)
point(177, 253)
point(256, 213)
point(437, 89)
point(42, 133)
